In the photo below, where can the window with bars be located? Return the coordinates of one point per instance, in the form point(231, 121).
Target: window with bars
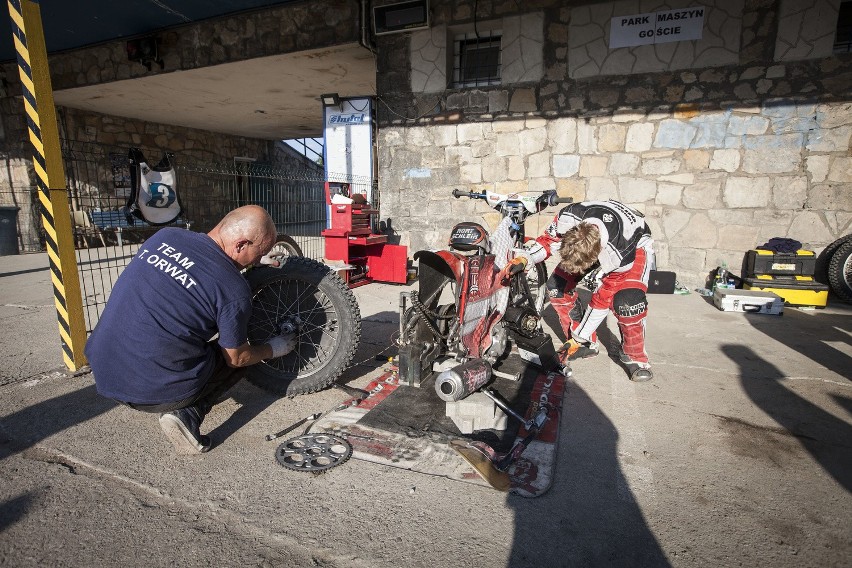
point(843, 37)
point(477, 59)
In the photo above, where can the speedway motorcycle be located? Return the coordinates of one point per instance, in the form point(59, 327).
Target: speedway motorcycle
point(474, 303)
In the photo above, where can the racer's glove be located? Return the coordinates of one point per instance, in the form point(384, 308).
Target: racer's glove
point(516, 265)
point(570, 347)
point(532, 251)
point(282, 344)
point(574, 349)
point(593, 279)
point(273, 258)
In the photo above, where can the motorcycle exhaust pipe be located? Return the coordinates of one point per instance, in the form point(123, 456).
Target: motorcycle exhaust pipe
point(463, 380)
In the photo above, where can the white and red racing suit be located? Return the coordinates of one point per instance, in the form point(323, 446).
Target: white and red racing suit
point(625, 261)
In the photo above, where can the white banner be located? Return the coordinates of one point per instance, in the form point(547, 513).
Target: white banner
point(683, 24)
point(348, 154)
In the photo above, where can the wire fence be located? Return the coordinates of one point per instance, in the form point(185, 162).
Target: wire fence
point(106, 237)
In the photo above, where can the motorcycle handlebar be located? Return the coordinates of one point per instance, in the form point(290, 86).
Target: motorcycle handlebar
point(551, 199)
point(459, 193)
point(555, 199)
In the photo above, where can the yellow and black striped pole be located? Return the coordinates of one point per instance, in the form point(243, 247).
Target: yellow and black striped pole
point(47, 161)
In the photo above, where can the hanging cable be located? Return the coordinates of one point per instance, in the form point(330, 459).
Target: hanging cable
point(169, 10)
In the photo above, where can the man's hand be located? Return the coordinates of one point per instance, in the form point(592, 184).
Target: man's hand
point(273, 258)
point(282, 344)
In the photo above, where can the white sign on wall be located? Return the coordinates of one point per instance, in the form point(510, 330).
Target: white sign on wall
point(657, 27)
point(348, 152)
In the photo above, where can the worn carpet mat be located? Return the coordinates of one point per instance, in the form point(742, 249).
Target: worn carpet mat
point(406, 427)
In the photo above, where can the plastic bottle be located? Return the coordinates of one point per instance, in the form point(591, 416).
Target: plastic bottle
point(721, 278)
point(722, 275)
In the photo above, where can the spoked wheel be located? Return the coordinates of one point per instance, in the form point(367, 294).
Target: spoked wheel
point(311, 299)
point(286, 245)
point(537, 281)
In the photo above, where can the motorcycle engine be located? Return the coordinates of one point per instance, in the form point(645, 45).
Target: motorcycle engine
point(523, 320)
point(499, 342)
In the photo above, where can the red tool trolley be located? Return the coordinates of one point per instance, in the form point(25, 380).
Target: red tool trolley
point(350, 239)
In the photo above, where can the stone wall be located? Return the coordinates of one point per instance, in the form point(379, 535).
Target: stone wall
point(190, 146)
point(521, 48)
point(720, 155)
point(589, 54)
point(802, 33)
point(289, 28)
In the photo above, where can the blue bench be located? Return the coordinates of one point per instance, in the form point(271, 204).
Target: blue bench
point(115, 220)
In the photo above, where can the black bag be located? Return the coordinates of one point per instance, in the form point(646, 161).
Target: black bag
point(153, 196)
point(661, 282)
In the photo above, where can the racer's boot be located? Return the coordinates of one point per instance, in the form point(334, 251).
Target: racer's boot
point(638, 372)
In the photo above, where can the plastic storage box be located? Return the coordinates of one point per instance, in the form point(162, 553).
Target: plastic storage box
point(799, 263)
point(795, 290)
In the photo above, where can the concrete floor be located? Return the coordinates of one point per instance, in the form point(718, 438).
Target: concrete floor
point(738, 453)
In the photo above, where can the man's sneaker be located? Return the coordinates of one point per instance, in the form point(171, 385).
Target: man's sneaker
point(181, 427)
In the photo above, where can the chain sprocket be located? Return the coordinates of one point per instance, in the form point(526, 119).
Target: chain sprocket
point(314, 453)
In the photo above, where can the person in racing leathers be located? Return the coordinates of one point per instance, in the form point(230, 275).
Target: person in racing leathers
point(616, 240)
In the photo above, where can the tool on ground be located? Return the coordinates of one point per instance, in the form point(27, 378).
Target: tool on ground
point(492, 466)
point(313, 453)
point(288, 429)
point(481, 456)
point(352, 391)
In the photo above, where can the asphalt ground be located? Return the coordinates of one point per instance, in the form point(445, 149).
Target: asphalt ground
point(738, 453)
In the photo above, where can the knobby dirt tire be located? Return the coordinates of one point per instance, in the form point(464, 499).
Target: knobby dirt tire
point(287, 245)
point(823, 259)
point(328, 320)
point(840, 272)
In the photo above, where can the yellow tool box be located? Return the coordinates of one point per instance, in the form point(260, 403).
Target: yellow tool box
point(795, 290)
point(799, 263)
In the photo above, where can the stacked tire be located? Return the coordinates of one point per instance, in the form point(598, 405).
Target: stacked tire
point(834, 267)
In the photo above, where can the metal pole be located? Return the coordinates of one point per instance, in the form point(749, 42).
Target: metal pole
point(28, 37)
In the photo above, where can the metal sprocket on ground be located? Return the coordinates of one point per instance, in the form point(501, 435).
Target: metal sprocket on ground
point(314, 453)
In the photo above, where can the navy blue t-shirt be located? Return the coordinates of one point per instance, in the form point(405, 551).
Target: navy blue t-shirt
point(152, 342)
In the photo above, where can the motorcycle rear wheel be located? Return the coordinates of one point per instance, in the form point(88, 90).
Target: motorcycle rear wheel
point(313, 298)
point(537, 281)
